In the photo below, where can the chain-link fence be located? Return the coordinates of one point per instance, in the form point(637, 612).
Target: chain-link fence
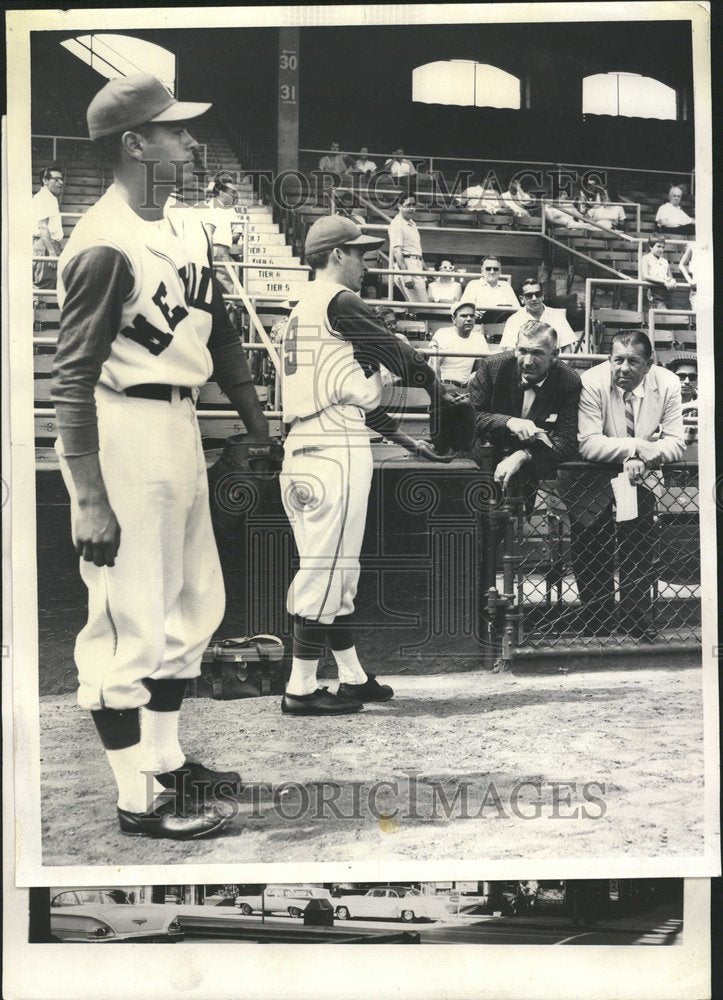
point(573, 568)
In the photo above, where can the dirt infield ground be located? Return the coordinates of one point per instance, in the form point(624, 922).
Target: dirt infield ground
point(601, 763)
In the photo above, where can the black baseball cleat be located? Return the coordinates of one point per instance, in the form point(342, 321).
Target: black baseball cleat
point(169, 820)
point(319, 702)
point(370, 690)
point(192, 779)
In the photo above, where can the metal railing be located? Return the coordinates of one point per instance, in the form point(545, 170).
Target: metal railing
point(434, 160)
point(591, 283)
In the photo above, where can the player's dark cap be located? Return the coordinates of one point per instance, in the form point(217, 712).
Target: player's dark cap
point(135, 100)
point(335, 231)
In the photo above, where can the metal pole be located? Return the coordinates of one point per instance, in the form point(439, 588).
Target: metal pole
point(588, 309)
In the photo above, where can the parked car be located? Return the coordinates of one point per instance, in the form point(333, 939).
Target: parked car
point(92, 915)
point(289, 899)
point(395, 902)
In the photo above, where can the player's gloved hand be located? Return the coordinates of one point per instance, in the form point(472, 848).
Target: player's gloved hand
point(96, 532)
point(425, 449)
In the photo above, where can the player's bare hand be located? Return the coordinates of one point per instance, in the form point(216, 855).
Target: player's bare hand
point(525, 430)
point(508, 467)
point(425, 449)
point(635, 469)
point(97, 532)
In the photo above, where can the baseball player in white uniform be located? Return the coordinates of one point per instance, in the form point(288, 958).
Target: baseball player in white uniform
point(333, 349)
point(142, 327)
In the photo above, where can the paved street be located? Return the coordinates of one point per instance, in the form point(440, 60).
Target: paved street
point(653, 929)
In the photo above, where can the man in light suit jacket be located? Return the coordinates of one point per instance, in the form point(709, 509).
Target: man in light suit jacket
point(630, 416)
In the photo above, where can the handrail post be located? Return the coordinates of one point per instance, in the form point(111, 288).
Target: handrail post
point(543, 202)
point(246, 251)
point(640, 287)
point(588, 311)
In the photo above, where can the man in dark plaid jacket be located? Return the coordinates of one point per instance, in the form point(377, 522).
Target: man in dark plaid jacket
point(527, 404)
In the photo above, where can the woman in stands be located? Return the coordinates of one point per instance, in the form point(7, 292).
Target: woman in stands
point(445, 288)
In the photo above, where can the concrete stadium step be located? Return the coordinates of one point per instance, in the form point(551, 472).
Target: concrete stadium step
point(260, 255)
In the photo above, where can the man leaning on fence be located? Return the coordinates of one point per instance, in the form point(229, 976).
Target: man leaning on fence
point(526, 403)
point(630, 416)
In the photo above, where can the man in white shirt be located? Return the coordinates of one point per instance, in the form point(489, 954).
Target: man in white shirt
point(488, 292)
point(363, 165)
point(334, 161)
point(654, 267)
point(462, 338)
point(672, 217)
point(398, 166)
point(534, 307)
point(405, 249)
point(47, 225)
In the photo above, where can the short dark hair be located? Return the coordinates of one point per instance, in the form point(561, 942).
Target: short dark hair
point(47, 171)
point(655, 238)
point(110, 147)
point(491, 256)
point(634, 338)
point(530, 281)
point(406, 196)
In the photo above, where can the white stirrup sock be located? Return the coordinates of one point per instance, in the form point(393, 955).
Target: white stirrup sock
point(350, 669)
point(159, 740)
point(303, 677)
point(136, 789)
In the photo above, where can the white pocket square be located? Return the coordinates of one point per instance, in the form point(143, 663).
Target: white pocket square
point(551, 419)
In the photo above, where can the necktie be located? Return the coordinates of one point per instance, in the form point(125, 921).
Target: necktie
point(629, 414)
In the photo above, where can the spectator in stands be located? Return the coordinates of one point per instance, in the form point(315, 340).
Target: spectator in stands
point(488, 292)
point(687, 268)
point(370, 291)
point(47, 225)
point(567, 211)
point(606, 215)
point(405, 248)
point(218, 216)
point(481, 197)
point(526, 402)
point(685, 366)
point(461, 338)
point(630, 415)
point(389, 318)
point(333, 162)
point(363, 165)
point(672, 218)
point(654, 267)
point(533, 307)
point(446, 288)
point(515, 199)
point(399, 166)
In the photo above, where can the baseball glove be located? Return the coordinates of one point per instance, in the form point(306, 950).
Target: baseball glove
point(453, 425)
point(241, 477)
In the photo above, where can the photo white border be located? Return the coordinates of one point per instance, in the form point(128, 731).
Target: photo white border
point(204, 970)
point(21, 668)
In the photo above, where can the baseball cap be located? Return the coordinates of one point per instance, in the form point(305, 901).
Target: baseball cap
point(682, 359)
point(135, 100)
point(456, 306)
point(336, 231)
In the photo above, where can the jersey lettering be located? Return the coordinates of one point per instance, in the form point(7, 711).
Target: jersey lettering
point(197, 281)
point(173, 316)
point(147, 335)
